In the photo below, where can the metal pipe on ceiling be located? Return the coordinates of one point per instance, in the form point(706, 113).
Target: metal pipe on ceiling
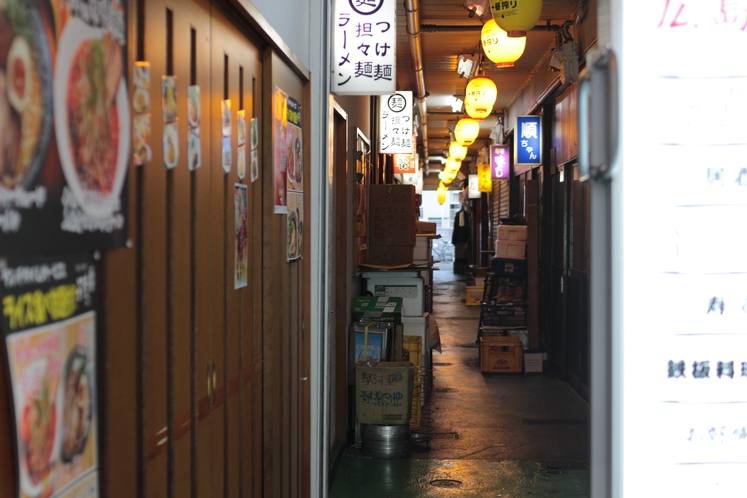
point(412, 17)
point(435, 28)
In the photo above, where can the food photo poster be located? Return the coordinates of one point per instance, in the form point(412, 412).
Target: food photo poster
point(65, 120)
point(295, 225)
point(241, 236)
point(49, 332)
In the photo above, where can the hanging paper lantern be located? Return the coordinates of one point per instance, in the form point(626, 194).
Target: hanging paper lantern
point(516, 17)
point(457, 150)
point(441, 192)
point(479, 97)
point(499, 47)
point(451, 169)
point(466, 131)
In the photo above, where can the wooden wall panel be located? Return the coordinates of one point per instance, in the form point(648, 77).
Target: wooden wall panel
point(283, 312)
point(154, 263)
point(565, 132)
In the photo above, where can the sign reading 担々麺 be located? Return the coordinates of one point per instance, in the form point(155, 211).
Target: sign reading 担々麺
point(364, 47)
point(395, 124)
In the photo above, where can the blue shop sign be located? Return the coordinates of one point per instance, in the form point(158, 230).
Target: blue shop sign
point(528, 143)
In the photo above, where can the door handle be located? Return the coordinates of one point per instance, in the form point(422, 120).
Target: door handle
point(598, 116)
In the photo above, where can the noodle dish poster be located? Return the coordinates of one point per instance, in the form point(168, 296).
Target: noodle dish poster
point(49, 333)
point(65, 125)
point(288, 152)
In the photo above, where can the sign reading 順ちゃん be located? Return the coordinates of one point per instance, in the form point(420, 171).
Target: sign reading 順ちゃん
point(364, 55)
point(529, 141)
point(395, 123)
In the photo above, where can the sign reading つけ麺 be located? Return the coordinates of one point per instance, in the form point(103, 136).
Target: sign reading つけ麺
point(65, 124)
point(364, 47)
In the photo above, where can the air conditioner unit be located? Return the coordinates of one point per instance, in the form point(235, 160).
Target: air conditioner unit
point(564, 58)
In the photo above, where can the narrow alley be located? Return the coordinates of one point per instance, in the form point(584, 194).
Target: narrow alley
point(485, 435)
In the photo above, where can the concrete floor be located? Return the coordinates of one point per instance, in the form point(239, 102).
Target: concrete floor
point(492, 435)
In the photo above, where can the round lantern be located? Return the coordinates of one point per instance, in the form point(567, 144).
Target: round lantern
point(457, 150)
point(466, 131)
point(516, 17)
point(451, 169)
point(479, 97)
point(441, 193)
point(499, 47)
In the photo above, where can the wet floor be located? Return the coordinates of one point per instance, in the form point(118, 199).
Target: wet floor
point(491, 435)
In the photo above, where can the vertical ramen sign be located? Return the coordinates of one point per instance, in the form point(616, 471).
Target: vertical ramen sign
point(65, 124)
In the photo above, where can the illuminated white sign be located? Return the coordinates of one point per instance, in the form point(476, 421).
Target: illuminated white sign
point(395, 124)
point(364, 47)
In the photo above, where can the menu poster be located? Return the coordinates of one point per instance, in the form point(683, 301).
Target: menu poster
point(295, 225)
point(65, 125)
point(49, 332)
point(683, 353)
point(288, 152)
point(241, 210)
point(254, 143)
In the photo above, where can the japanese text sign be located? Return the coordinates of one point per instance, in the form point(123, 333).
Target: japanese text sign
point(395, 123)
point(499, 162)
point(364, 47)
point(405, 163)
point(528, 141)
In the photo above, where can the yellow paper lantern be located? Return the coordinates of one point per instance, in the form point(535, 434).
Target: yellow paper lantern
point(441, 192)
point(466, 131)
point(516, 17)
point(479, 97)
point(451, 169)
point(457, 150)
point(499, 47)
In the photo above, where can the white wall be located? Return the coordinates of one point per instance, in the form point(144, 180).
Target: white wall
point(293, 21)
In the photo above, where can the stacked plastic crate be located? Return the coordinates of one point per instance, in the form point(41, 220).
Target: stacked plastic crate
point(502, 333)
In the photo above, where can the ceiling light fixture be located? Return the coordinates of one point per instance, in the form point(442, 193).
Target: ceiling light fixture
point(456, 104)
point(499, 47)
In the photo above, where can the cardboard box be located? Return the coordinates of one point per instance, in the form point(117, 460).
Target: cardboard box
point(500, 354)
point(389, 255)
point(377, 309)
point(421, 254)
point(383, 392)
point(425, 227)
point(515, 268)
point(409, 289)
point(512, 232)
point(392, 212)
point(533, 360)
point(473, 295)
point(509, 290)
point(511, 249)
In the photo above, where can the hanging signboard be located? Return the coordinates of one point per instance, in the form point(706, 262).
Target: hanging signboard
point(405, 164)
point(499, 162)
point(49, 331)
point(395, 123)
point(473, 187)
point(64, 125)
point(485, 183)
point(681, 355)
point(528, 141)
point(364, 47)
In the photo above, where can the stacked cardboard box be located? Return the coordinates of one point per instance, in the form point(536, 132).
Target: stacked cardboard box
point(512, 242)
point(392, 215)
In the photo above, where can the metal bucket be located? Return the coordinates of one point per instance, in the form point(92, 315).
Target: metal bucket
point(385, 441)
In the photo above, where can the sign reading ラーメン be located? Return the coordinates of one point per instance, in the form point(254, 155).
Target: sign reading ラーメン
point(364, 47)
